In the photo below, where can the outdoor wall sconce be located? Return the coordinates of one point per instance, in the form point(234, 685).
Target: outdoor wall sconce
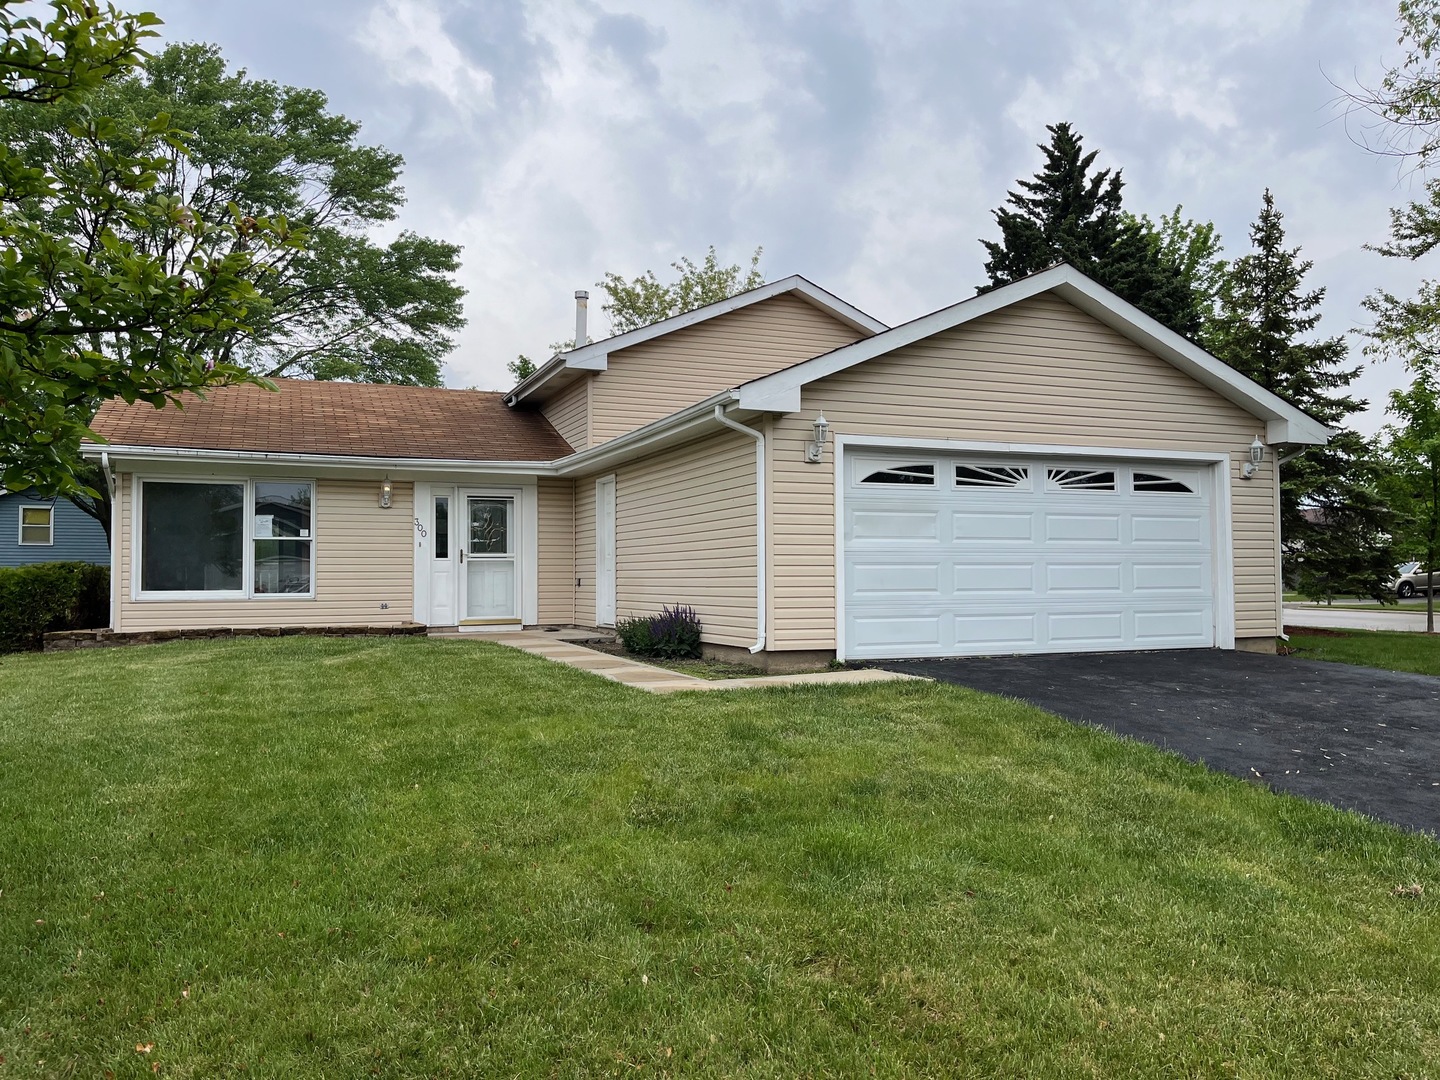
point(1257, 455)
point(386, 490)
point(816, 448)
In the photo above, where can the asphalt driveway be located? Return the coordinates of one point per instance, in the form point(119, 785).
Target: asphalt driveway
point(1359, 738)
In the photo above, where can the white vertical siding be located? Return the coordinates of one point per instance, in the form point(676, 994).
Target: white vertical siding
point(1041, 372)
point(364, 556)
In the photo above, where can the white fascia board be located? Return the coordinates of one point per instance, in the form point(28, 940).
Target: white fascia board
point(535, 380)
point(328, 461)
point(644, 440)
point(782, 388)
point(593, 357)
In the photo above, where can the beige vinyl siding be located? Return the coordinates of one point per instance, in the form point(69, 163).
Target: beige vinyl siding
point(685, 534)
point(556, 571)
point(363, 557)
point(569, 412)
point(656, 378)
point(1040, 371)
point(585, 551)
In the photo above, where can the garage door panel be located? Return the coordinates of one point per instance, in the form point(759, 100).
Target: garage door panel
point(1191, 529)
point(1088, 577)
point(1180, 626)
point(970, 569)
point(873, 580)
point(983, 524)
point(1084, 528)
point(1071, 629)
point(891, 635)
point(971, 578)
point(1171, 577)
point(995, 628)
point(885, 524)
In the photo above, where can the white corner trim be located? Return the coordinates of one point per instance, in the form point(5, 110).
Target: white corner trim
point(1225, 558)
point(760, 548)
point(1092, 298)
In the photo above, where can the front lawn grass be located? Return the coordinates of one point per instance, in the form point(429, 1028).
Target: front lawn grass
point(1392, 650)
point(400, 857)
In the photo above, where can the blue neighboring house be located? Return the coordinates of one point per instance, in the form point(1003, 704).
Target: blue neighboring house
point(34, 530)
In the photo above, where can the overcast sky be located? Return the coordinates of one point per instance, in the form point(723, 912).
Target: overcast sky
point(864, 145)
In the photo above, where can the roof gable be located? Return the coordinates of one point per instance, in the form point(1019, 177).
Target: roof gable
point(780, 392)
point(596, 355)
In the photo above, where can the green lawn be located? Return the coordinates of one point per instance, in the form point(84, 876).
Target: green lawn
point(399, 857)
point(1390, 649)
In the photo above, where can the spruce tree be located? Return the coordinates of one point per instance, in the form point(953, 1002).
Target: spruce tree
point(1069, 213)
point(1335, 528)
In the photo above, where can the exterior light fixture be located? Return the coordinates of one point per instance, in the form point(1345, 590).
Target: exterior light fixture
point(1257, 455)
point(816, 448)
point(386, 490)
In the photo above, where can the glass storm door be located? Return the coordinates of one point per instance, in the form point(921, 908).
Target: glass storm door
point(489, 557)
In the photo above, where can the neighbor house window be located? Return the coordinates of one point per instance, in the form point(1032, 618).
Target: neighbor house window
point(226, 539)
point(37, 525)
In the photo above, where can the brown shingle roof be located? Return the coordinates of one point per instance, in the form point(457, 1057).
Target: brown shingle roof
point(360, 419)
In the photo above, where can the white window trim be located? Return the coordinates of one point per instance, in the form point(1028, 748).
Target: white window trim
point(22, 526)
point(247, 570)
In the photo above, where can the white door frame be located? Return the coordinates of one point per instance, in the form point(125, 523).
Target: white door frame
point(527, 548)
point(1223, 535)
point(605, 550)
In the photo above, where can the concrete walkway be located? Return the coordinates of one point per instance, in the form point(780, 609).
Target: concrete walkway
point(662, 680)
point(1343, 619)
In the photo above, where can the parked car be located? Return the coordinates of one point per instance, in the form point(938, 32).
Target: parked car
point(1411, 578)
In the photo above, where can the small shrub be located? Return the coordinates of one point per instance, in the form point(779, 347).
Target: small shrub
point(674, 634)
point(36, 600)
point(635, 635)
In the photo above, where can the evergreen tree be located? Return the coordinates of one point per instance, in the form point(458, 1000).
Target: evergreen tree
point(1067, 213)
point(1335, 527)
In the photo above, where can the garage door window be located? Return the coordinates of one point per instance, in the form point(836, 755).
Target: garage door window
point(992, 476)
point(1156, 482)
point(902, 474)
point(1080, 479)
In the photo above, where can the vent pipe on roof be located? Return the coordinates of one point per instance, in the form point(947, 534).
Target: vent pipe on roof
point(582, 308)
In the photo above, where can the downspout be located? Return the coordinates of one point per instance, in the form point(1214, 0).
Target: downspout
point(114, 539)
point(1278, 462)
point(759, 437)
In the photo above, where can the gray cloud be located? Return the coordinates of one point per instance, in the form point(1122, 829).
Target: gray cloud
point(863, 144)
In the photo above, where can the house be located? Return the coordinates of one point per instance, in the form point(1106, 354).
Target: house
point(38, 530)
point(1039, 468)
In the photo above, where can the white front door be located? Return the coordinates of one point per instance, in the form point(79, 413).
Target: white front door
point(488, 548)
point(956, 555)
point(605, 551)
point(443, 556)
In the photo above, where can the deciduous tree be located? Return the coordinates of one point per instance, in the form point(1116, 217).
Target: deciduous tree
point(1413, 473)
point(86, 312)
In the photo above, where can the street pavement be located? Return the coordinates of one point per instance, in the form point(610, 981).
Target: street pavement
point(1344, 619)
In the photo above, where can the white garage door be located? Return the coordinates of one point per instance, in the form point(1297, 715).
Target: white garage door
point(949, 555)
